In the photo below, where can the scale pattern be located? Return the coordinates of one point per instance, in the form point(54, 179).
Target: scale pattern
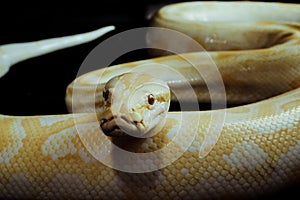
point(257, 151)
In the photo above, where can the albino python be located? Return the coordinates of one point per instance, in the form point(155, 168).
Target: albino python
point(255, 47)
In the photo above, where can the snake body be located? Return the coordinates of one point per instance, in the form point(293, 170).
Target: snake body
point(256, 152)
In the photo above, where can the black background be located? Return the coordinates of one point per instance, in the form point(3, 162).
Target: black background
point(37, 86)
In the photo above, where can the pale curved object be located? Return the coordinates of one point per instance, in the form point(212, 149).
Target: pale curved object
point(256, 153)
point(140, 114)
point(11, 54)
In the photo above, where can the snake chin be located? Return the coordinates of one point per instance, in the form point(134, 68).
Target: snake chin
point(140, 124)
point(134, 105)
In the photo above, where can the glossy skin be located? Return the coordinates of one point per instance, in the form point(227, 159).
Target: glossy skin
point(134, 104)
point(237, 152)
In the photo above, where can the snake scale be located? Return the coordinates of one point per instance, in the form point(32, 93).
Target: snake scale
point(256, 48)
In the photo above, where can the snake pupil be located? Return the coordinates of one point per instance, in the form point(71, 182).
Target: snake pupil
point(151, 99)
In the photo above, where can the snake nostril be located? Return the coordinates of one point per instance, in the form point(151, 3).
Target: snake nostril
point(105, 94)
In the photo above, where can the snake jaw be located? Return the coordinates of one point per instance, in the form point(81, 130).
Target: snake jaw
point(146, 118)
point(134, 104)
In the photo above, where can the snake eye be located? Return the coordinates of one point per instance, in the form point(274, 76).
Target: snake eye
point(105, 94)
point(151, 99)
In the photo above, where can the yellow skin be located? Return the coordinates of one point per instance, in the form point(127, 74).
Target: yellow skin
point(257, 151)
point(142, 113)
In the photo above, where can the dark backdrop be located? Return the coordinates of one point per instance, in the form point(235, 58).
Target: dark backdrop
point(37, 86)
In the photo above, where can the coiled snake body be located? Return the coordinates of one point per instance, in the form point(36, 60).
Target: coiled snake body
point(257, 151)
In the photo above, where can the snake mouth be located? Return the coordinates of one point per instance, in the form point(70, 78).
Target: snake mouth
point(121, 125)
point(112, 128)
point(139, 111)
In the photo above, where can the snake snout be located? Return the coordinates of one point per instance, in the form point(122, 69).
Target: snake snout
point(135, 105)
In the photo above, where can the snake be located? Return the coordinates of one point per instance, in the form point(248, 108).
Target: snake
point(245, 151)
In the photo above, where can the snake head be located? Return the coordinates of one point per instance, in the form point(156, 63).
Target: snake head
point(134, 104)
